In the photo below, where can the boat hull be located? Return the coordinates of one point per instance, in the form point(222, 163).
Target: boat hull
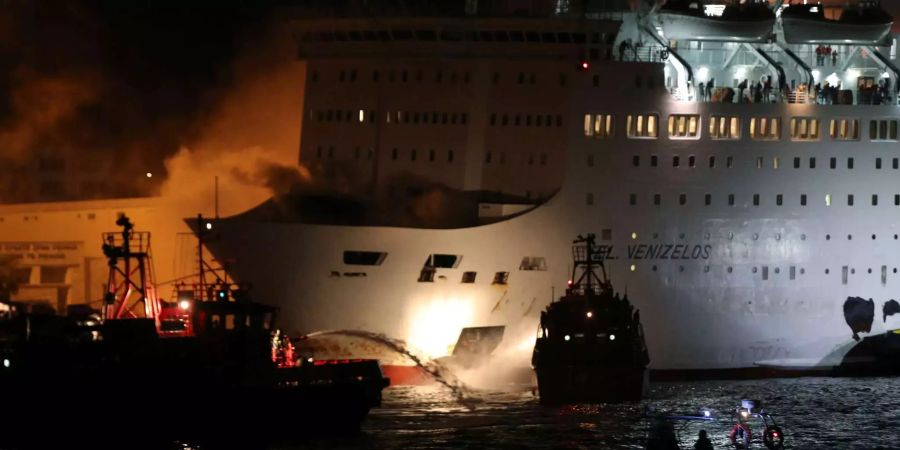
point(560, 384)
point(806, 31)
point(684, 27)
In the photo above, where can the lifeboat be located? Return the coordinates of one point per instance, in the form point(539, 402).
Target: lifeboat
point(694, 20)
point(865, 23)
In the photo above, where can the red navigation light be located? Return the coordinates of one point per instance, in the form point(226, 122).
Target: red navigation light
point(585, 66)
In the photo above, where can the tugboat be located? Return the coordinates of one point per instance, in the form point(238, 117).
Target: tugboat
point(590, 346)
point(209, 366)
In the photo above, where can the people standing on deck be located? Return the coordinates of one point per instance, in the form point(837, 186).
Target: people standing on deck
point(709, 88)
point(701, 92)
point(767, 89)
point(820, 55)
point(757, 92)
point(741, 86)
point(834, 56)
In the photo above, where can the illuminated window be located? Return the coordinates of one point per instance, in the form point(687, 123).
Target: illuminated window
point(684, 126)
point(599, 126)
point(721, 127)
point(643, 126)
point(765, 128)
point(883, 130)
point(827, 199)
point(501, 278)
point(533, 263)
point(804, 129)
point(844, 129)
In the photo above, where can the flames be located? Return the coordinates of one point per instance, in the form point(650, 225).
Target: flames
point(434, 324)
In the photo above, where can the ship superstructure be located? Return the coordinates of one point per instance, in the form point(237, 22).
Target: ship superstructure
point(741, 215)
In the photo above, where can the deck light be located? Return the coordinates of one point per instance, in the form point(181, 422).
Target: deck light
point(589, 314)
point(566, 337)
point(149, 175)
point(585, 65)
point(208, 225)
point(184, 304)
point(6, 363)
point(612, 337)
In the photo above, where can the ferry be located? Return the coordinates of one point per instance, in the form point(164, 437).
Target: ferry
point(741, 188)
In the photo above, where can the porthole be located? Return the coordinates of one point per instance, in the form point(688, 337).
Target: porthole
point(681, 236)
point(730, 236)
point(869, 270)
point(755, 236)
point(729, 269)
point(802, 237)
point(705, 269)
point(827, 237)
point(681, 268)
point(895, 270)
point(754, 270)
point(778, 236)
point(873, 237)
point(802, 271)
point(653, 268)
point(777, 270)
point(852, 271)
point(895, 237)
point(827, 271)
point(849, 237)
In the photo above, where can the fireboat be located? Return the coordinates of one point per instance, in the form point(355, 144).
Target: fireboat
point(590, 346)
point(209, 365)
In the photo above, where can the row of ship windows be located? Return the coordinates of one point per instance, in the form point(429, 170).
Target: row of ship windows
point(501, 158)
point(403, 76)
point(756, 199)
point(763, 271)
point(431, 35)
point(369, 153)
point(689, 126)
point(433, 118)
point(369, 116)
point(713, 161)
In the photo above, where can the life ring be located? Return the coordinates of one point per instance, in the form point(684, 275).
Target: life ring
point(773, 438)
point(740, 435)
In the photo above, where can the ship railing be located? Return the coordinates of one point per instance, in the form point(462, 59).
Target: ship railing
point(138, 241)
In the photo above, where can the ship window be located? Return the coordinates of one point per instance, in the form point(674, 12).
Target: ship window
point(692, 161)
point(468, 277)
point(812, 163)
point(849, 199)
point(759, 162)
point(792, 272)
point(730, 199)
point(712, 162)
point(775, 162)
point(765, 128)
point(590, 160)
point(654, 160)
point(501, 278)
point(827, 199)
point(657, 199)
point(796, 162)
point(895, 163)
point(804, 129)
point(755, 199)
point(729, 162)
point(636, 161)
point(844, 129)
point(707, 199)
point(682, 199)
point(877, 163)
point(632, 199)
point(896, 199)
point(684, 126)
point(883, 130)
point(722, 127)
point(676, 161)
point(589, 199)
point(802, 199)
point(443, 261)
point(779, 199)
point(874, 199)
point(598, 125)
point(533, 263)
point(833, 163)
point(642, 126)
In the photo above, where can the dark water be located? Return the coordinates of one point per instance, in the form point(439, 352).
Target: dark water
point(815, 413)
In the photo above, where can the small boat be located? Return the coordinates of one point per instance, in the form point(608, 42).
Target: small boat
point(865, 23)
point(694, 20)
point(590, 346)
point(209, 366)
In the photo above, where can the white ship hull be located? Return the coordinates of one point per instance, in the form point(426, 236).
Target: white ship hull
point(718, 287)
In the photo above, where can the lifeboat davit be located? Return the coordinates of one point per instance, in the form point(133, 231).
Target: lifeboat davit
point(866, 23)
point(696, 21)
